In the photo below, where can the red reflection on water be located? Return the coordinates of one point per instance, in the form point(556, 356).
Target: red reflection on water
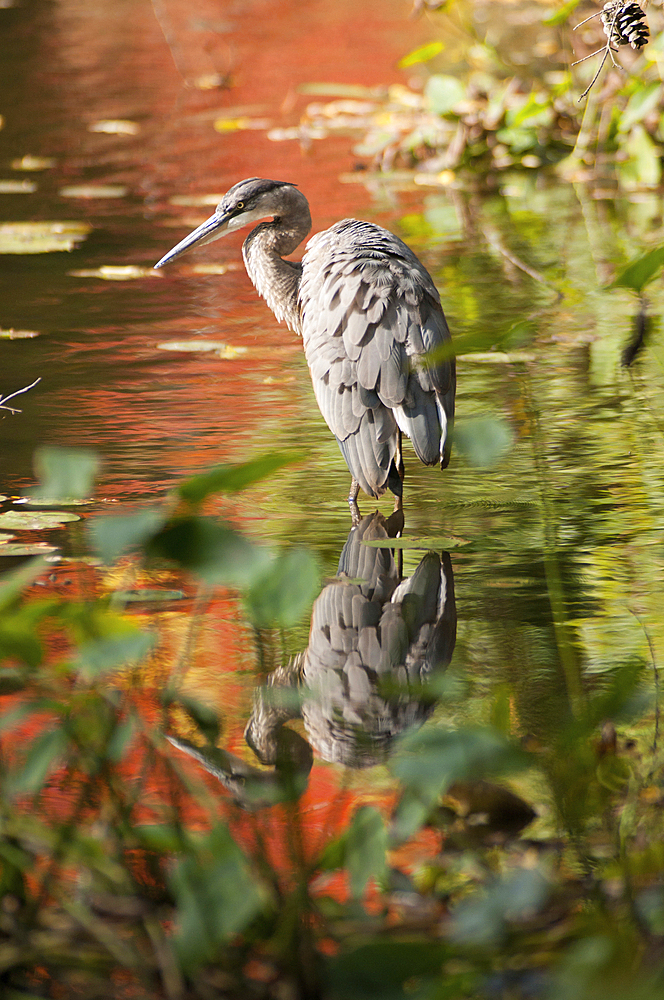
point(158, 415)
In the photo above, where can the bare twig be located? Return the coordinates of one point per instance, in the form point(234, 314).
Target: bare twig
point(5, 399)
point(609, 19)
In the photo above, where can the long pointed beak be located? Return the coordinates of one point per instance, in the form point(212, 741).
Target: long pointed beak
point(212, 229)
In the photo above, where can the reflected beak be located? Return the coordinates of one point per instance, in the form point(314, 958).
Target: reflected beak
point(212, 229)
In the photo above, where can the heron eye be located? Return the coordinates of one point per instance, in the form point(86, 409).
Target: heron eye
point(240, 205)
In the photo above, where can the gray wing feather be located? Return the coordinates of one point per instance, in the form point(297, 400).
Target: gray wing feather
point(369, 313)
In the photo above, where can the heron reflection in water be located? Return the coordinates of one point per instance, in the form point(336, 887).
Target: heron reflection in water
point(371, 321)
point(375, 641)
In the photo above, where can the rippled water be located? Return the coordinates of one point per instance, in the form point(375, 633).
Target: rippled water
point(556, 544)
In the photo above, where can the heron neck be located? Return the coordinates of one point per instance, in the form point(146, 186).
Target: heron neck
point(275, 279)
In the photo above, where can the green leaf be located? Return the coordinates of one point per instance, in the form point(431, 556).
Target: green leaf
point(65, 473)
point(431, 759)
point(103, 655)
point(285, 590)
point(36, 520)
point(14, 583)
point(482, 919)
point(560, 16)
point(217, 896)
point(385, 969)
point(114, 535)
point(160, 837)
point(640, 271)
point(642, 166)
point(443, 92)
point(212, 550)
point(482, 440)
point(44, 755)
point(366, 846)
point(422, 54)
point(120, 740)
point(232, 478)
point(641, 103)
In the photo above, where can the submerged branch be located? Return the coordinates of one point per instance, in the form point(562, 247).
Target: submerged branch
point(5, 399)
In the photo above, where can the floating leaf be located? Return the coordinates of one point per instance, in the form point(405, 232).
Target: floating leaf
point(240, 124)
point(117, 126)
point(194, 200)
point(19, 549)
point(93, 191)
point(483, 440)
point(421, 55)
point(113, 272)
point(148, 596)
point(232, 478)
point(35, 520)
point(212, 268)
point(209, 81)
point(28, 163)
point(641, 271)
point(340, 90)
point(41, 237)
point(67, 473)
point(224, 350)
point(12, 334)
point(17, 187)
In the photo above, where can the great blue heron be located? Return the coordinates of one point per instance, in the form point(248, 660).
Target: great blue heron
point(370, 318)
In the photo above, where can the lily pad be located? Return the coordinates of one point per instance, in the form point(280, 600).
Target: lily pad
point(34, 520)
point(94, 191)
point(224, 350)
point(30, 163)
point(149, 596)
point(41, 237)
point(39, 503)
point(17, 187)
point(112, 272)
point(8, 549)
point(117, 126)
point(194, 200)
point(240, 124)
point(12, 334)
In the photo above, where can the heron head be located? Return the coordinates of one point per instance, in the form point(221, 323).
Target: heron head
point(244, 204)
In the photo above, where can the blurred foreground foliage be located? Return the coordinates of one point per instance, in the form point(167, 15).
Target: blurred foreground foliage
point(121, 877)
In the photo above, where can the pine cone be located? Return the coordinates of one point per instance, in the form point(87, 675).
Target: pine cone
point(625, 27)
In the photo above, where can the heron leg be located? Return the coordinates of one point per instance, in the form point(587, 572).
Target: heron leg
point(401, 469)
point(352, 501)
point(398, 461)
